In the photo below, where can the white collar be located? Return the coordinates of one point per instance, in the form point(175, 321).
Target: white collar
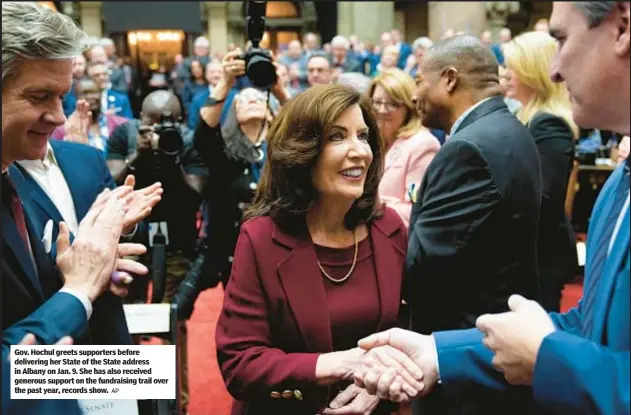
point(48, 159)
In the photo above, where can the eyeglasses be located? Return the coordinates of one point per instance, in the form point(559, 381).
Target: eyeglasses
point(389, 106)
point(248, 96)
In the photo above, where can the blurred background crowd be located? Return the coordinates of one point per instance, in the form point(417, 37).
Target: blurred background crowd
point(145, 93)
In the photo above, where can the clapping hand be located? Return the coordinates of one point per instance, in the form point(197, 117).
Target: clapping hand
point(78, 124)
point(138, 203)
point(388, 384)
point(87, 264)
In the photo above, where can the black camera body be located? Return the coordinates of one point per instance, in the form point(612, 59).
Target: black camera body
point(258, 62)
point(170, 141)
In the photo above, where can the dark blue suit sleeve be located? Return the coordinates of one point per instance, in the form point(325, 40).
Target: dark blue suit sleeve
point(62, 315)
point(464, 361)
point(574, 375)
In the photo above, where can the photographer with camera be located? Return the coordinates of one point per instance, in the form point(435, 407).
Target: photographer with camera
point(234, 152)
point(158, 148)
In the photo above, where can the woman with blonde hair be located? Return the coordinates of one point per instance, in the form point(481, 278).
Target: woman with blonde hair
point(410, 147)
point(547, 111)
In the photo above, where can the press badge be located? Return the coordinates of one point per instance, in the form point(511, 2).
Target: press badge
point(153, 230)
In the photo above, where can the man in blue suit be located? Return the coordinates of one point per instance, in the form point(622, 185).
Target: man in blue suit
point(37, 297)
point(62, 188)
point(405, 50)
point(576, 362)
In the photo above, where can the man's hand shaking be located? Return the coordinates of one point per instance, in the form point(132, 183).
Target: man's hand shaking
point(386, 384)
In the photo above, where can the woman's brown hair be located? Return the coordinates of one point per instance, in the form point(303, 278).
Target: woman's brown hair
point(294, 143)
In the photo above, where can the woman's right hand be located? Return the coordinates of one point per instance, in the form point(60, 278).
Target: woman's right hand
point(338, 366)
point(233, 67)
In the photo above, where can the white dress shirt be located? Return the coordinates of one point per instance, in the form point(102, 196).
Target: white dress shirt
point(50, 178)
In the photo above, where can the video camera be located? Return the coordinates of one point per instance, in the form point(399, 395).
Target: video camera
point(258, 62)
point(169, 140)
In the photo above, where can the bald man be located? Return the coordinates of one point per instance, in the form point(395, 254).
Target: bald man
point(132, 149)
point(473, 226)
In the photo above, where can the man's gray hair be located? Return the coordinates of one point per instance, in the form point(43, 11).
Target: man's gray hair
point(595, 11)
point(201, 41)
point(30, 31)
point(422, 42)
point(106, 41)
point(340, 40)
point(356, 80)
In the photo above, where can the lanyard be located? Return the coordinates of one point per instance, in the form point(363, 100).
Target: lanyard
point(257, 166)
point(104, 133)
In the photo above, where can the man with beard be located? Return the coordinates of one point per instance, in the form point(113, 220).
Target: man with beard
point(473, 226)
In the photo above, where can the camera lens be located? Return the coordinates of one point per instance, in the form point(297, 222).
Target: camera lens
point(261, 72)
point(170, 142)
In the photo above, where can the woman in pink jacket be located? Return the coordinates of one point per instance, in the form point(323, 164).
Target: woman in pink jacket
point(410, 146)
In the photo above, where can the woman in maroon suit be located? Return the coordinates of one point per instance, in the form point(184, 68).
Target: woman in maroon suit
point(318, 265)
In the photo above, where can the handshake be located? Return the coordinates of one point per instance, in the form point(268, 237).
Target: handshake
point(400, 365)
point(395, 365)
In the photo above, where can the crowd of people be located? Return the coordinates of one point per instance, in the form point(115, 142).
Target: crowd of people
point(388, 222)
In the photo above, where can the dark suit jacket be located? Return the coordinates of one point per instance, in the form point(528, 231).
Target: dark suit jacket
point(87, 175)
point(558, 261)
point(274, 323)
point(565, 380)
point(473, 230)
point(31, 304)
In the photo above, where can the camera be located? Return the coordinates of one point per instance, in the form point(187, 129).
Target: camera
point(258, 62)
point(169, 140)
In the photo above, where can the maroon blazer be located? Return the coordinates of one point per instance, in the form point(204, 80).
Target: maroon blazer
point(274, 323)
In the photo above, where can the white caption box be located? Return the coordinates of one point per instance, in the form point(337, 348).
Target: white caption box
point(93, 372)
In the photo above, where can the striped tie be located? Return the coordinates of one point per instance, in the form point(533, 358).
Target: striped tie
point(590, 294)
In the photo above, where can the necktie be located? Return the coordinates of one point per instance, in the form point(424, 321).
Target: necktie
point(591, 290)
point(12, 201)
